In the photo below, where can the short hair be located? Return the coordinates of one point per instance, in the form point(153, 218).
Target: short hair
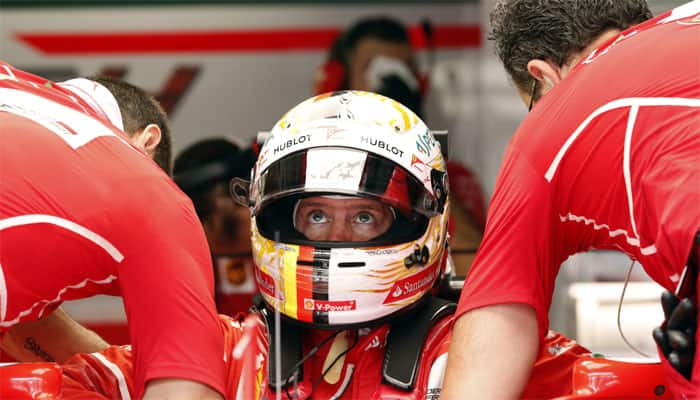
point(139, 109)
point(553, 30)
point(208, 163)
point(381, 27)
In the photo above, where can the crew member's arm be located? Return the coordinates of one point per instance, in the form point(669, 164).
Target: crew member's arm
point(502, 310)
point(502, 342)
point(179, 389)
point(55, 337)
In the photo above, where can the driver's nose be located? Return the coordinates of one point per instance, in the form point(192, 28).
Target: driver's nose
point(339, 231)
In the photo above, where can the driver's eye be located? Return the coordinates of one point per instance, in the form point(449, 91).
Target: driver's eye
point(364, 218)
point(317, 217)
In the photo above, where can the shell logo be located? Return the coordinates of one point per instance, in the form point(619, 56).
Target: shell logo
point(308, 304)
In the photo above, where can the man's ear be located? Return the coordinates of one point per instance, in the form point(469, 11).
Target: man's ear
point(148, 139)
point(545, 72)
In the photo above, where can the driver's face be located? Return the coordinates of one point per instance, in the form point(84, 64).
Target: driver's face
point(342, 219)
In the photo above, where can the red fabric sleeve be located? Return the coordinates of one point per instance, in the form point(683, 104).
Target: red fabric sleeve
point(246, 346)
point(514, 262)
point(167, 285)
point(552, 374)
point(108, 374)
point(103, 375)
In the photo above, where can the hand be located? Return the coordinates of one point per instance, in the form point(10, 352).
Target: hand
point(676, 336)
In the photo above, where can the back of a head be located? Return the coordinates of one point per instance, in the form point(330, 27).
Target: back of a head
point(208, 163)
point(383, 28)
point(139, 109)
point(553, 30)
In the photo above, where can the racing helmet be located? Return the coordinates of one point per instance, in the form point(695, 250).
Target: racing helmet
point(349, 143)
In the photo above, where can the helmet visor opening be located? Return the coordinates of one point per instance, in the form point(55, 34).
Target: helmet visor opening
point(340, 171)
point(276, 222)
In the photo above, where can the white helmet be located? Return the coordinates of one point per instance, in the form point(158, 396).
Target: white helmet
point(349, 143)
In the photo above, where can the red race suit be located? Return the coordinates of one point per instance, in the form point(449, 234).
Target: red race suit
point(82, 212)
point(608, 159)
point(107, 374)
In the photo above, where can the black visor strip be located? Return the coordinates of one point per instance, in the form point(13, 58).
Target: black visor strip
point(319, 279)
point(376, 175)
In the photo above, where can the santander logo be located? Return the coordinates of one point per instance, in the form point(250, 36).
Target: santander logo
point(411, 285)
point(266, 283)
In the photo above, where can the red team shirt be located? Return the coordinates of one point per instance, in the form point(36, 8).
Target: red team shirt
point(84, 213)
point(609, 159)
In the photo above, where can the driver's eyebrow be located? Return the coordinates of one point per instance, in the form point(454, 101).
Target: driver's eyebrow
point(354, 207)
point(367, 207)
point(311, 204)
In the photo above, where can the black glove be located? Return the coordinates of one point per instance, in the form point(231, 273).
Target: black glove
point(676, 336)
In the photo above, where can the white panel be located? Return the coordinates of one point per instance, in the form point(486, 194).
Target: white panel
point(596, 316)
point(96, 310)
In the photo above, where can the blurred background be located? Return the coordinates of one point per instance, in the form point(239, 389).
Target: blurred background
point(231, 68)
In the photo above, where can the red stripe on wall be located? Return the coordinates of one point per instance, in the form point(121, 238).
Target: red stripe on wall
point(227, 41)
